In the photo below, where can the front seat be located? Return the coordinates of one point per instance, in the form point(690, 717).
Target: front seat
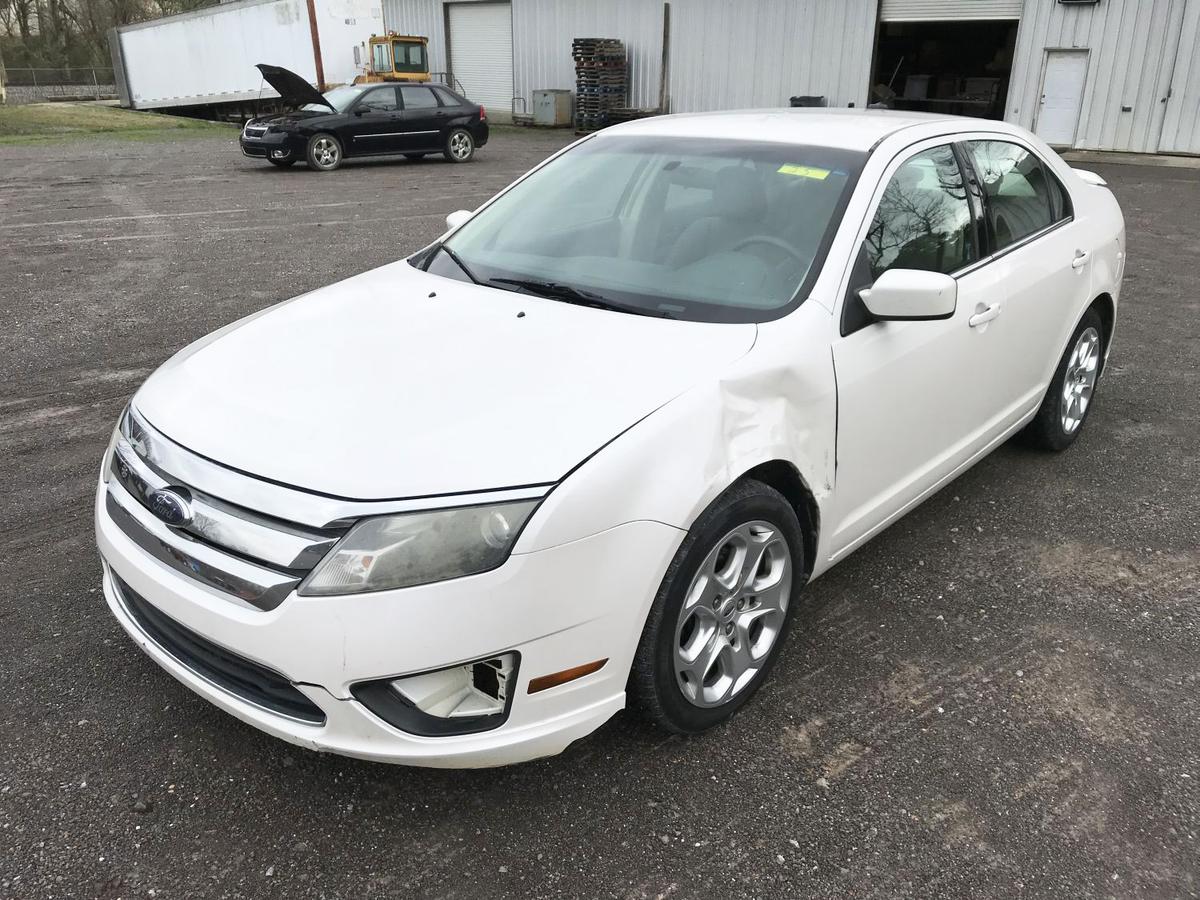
point(737, 211)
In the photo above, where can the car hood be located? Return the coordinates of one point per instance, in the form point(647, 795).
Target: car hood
point(291, 87)
point(398, 383)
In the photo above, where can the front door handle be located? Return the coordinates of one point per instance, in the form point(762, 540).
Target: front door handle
point(1081, 259)
point(984, 316)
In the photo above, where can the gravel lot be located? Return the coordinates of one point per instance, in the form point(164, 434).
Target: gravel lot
point(997, 697)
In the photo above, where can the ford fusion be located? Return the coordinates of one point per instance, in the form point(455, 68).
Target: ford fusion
point(586, 450)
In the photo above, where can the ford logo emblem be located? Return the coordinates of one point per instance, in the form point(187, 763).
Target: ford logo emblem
point(171, 507)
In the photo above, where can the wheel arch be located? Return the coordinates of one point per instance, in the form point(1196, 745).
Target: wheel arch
point(1106, 308)
point(784, 477)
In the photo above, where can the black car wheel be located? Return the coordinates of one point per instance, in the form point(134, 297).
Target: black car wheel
point(722, 612)
point(414, 156)
point(282, 163)
point(460, 146)
point(324, 152)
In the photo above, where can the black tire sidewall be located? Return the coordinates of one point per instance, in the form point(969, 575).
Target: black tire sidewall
point(308, 152)
point(450, 156)
point(746, 502)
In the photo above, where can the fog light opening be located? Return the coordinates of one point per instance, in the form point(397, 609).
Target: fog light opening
point(280, 154)
point(480, 688)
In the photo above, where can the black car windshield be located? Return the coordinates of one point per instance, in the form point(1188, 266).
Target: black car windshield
point(340, 97)
point(703, 229)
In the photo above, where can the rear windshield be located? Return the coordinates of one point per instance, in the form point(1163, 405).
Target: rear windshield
point(701, 229)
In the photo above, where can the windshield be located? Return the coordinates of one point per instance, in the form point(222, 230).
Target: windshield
point(340, 97)
point(701, 229)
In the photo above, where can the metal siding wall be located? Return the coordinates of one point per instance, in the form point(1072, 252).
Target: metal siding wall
point(543, 31)
point(940, 10)
point(1181, 131)
point(1132, 46)
point(758, 53)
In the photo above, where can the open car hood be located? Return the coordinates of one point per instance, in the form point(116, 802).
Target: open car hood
point(291, 87)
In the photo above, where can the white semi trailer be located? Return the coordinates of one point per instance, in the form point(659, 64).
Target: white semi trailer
point(206, 58)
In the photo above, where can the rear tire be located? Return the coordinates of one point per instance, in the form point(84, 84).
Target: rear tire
point(722, 613)
point(1069, 398)
point(460, 146)
point(324, 152)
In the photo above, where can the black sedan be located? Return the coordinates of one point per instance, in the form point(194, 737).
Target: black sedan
point(410, 119)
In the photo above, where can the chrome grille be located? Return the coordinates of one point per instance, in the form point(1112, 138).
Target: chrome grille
point(250, 539)
point(255, 131)
point(255, 558)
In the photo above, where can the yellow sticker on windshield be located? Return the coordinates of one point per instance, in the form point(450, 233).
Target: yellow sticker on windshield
point(805, 172)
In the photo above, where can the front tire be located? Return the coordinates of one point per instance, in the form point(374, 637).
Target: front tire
point(281, 163)
point(324, 152)
point(460, 146)
point(1069, 397)
point(722, 613)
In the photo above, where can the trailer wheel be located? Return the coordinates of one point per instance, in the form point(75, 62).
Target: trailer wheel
point(324, 152)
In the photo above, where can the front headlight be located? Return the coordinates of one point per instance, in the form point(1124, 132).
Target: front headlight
point(418, 548)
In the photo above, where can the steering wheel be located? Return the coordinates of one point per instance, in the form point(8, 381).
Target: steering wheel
point(772, 242)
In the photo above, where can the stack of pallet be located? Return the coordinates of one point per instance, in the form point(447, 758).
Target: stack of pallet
point(601, 80)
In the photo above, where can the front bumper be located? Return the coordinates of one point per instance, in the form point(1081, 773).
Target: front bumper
point(558, 608)
point(272, 145)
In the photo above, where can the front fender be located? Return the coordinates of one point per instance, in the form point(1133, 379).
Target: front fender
point(776, 403)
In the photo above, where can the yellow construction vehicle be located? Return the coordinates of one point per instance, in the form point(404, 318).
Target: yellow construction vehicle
point(396, 57)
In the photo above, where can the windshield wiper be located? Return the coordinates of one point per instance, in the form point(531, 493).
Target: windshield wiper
point(566, 293)
point(458, 262)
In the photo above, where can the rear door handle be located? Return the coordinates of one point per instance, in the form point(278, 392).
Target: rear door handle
point(984, 316)
point(1081, 259)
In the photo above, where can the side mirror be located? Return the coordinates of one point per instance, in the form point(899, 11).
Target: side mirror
point(911, 294)
point(457, 217)
point(359, 110)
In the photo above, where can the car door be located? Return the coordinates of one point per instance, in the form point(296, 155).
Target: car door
point(375, 123)
point(424, 118)
point(1043, 256)
point(910, 412)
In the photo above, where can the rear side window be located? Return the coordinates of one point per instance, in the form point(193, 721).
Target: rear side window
point(447, 98)
point(418, 97)
point(924, 218)
point(1022, 196)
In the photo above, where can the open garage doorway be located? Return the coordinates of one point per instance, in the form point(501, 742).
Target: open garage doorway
point(956, 67)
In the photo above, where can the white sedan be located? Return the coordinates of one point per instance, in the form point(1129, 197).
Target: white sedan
point(587, 449)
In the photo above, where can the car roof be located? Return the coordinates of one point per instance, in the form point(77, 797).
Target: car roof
point(850, 129)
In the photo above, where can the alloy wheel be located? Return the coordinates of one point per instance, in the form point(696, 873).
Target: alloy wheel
point(326, 152)
point(732, 614)
point(460, 145)
point(1079, 379)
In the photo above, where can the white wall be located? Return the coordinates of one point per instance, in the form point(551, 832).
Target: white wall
point(756, 53)
point(724, 54)
point(1133, 46)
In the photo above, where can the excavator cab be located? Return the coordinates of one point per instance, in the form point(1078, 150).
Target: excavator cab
point(396, 57)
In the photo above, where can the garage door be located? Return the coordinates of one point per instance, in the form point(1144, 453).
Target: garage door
point(947, 10)
point(481, 53)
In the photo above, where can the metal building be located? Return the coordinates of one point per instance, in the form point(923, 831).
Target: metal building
point(1094, 74)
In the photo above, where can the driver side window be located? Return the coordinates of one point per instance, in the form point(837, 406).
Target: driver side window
point(924, 218)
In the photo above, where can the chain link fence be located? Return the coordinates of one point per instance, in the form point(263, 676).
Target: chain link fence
point(26, 85)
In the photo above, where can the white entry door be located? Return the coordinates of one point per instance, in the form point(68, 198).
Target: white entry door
point(481, 55)
point(1062, 96)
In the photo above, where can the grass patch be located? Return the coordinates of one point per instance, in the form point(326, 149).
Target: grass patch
point(63, 121)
